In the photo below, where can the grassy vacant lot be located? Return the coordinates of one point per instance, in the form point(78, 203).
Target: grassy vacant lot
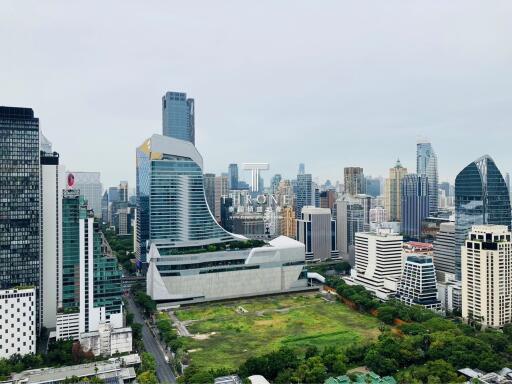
point(296, 320)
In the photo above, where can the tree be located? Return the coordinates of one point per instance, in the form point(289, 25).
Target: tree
point(148, 362)
point(311, 371)
point(147, 377)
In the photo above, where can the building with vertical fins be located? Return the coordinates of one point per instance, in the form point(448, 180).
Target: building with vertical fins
point(350, 219)
point(415, 204)
point(305, 194)
point(52, 183)
point(487, 276)
point(91, 281)
point(178, 116)
point(426, 165)
point(317, 231)
point(191, 257)
point(481, 197)
point(393, 192)
point(20, 220)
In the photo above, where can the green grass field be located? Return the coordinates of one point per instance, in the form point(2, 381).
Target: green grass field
point(295, 320)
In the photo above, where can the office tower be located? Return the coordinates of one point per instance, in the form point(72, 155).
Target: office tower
point(18, 322)
point(366, 203)
point(123, 191)
point(415, 204)
point(317, 231)
point(353, 178)
point(444, 249)
point(316, 195)
point(233, 176)
point(426, 165)
point(392, 192)
point(378, 256)
point(372, 186)
point(274, 182)
point(52, 183)
point(122, 221)
point(20, 241)
point(209, 191)
point(178, 116)
point(327, 199)
point(104, 208)
point(221, 192)
point(256, 179)
point(89, 185)
point(114, 196)
point(418, 283)
point(487, 276)
point(350, 219)
point(302, 169)
point(285, 196)
point(288, 226)
point(91, 281)
point(304, 194)
point(212, 263)
point(481, 197)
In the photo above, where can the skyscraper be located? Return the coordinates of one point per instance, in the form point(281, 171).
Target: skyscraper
point(444, 249)
point(89, 184)
point(350, 217)
point(274, 182)
point(481, 197)
point(123, 191)
point(221, 192)
point(233, 176)
point(304, 195)
point(20, 245)
point(178, 116)
point(393, 192)
point(52, 183)
point(372, 186)
point(354, 182)
point(415, 204)
point(209, 191)
point(426, 165)
point(302, 169)
point(487, 275)
point(317, 231)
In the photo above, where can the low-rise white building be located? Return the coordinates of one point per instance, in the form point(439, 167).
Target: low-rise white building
point(107, 340)
point(17, 322)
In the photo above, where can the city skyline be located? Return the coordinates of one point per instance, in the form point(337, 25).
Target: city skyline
point(98, 94)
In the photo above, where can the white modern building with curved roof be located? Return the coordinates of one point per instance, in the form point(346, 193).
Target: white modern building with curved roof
point(190, 256)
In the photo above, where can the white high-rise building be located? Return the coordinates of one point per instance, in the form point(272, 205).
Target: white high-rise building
point(52, 183)
point(486, 262)
point(317, 231)
point(89, 184)
point(17, 322)
point(378, 256)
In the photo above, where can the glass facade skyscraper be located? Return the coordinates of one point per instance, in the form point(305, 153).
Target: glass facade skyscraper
point(170, 187)
point(178, 116)
point(481, 197)
point(426, 165)
point(304, 193)
point(233, 176)
point(415, 204)
point(20, 254)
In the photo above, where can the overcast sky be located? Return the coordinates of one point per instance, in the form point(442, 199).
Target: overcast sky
point(328, 83)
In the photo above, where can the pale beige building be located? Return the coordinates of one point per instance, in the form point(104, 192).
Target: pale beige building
point(288, 225)
point(221, 190)
point(392, 192)
point(486, 262)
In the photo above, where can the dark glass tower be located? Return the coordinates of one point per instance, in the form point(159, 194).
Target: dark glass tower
point(178, 116)
point(426, 165)
point(19, 199)
point(415, 204)
point(233, 176)
point(304, 193)
point(481, 197)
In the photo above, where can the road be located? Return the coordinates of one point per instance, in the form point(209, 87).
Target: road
point(163, 370)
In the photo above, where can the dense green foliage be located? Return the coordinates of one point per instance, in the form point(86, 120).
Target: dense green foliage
point(339, 267)
point(122, 248)
point(144, 300)
point(60, 353)
point(147, 370)
point(167, 333)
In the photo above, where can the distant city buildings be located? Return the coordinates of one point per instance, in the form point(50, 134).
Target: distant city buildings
point(90, 187)
point(233, 176)
point(178, 116)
